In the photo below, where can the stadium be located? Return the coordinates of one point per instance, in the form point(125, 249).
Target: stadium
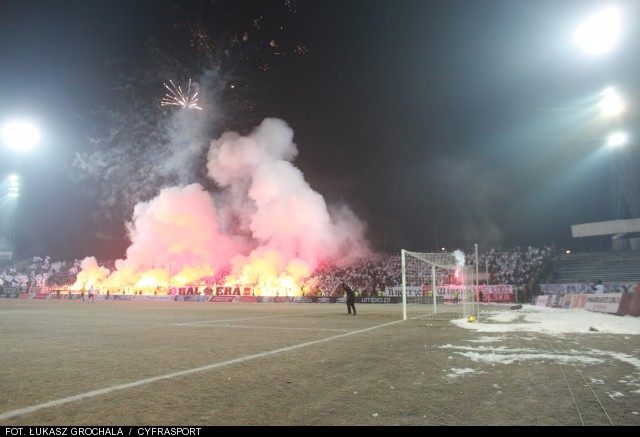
point(203, 359)
point(195, 196)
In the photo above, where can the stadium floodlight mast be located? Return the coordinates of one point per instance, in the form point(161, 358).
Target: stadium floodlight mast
point(8, 203)
point(20, 135)
point(625, 195)
point(599, 34)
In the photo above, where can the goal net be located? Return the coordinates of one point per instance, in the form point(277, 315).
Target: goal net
point(437, 286)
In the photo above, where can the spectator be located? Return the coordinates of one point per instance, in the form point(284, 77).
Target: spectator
point(599, 287)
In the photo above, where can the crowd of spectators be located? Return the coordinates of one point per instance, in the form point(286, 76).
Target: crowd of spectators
point(514, 266)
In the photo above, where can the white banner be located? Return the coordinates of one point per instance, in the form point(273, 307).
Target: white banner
point(542, 300)
point(604, 303)
point(397, 291)
point(586, 288)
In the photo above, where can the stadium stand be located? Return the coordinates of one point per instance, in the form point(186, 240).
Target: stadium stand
point(618, 266)
point(525, 268)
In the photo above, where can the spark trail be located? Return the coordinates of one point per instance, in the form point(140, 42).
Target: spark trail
point(176, 97)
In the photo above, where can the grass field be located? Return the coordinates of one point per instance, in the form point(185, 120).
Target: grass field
point(127, 363)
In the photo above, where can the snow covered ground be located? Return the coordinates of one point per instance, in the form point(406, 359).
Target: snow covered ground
point(532, 318)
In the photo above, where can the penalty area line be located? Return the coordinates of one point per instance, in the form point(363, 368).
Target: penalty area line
point(90, 394)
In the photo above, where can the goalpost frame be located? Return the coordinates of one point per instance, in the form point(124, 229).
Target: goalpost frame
point(404, 285)
point(475, 307)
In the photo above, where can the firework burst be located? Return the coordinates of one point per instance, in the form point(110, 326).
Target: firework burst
point(176, 97)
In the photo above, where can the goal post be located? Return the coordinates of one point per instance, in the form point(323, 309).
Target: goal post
point(438, 286)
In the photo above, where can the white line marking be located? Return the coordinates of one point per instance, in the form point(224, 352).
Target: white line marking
point(275, 327)
point(55, 403)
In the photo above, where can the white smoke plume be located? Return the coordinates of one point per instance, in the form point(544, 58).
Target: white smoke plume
point(459, 256)
point(266, 225)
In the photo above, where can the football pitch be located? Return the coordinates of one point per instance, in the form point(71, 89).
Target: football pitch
point(133, 363)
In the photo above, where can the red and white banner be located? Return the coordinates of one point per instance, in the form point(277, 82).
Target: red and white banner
point(490, 293)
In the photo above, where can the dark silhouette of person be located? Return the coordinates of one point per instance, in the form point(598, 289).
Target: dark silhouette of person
point(351, 298)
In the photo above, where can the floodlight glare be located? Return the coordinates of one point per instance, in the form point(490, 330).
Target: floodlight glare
point(20, 135)
point(617, 139)
point(14, 185)
point(612, 104)
point(600, 32)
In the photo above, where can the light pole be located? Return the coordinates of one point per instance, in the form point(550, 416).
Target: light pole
point(625, 196)
point(597, 36)
point(19, 136)
point(8, 201)
point(624, 200)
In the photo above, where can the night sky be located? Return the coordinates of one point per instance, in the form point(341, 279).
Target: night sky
point(439, 123)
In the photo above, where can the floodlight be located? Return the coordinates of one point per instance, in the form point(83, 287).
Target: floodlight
point(599, 33)
point(14, 185)
point(617, 139)
point(20, 135)
point(612, 104)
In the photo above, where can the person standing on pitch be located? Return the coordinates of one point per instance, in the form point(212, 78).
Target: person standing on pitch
point(351, 298)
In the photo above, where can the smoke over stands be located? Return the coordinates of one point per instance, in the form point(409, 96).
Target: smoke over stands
point(265, 225)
